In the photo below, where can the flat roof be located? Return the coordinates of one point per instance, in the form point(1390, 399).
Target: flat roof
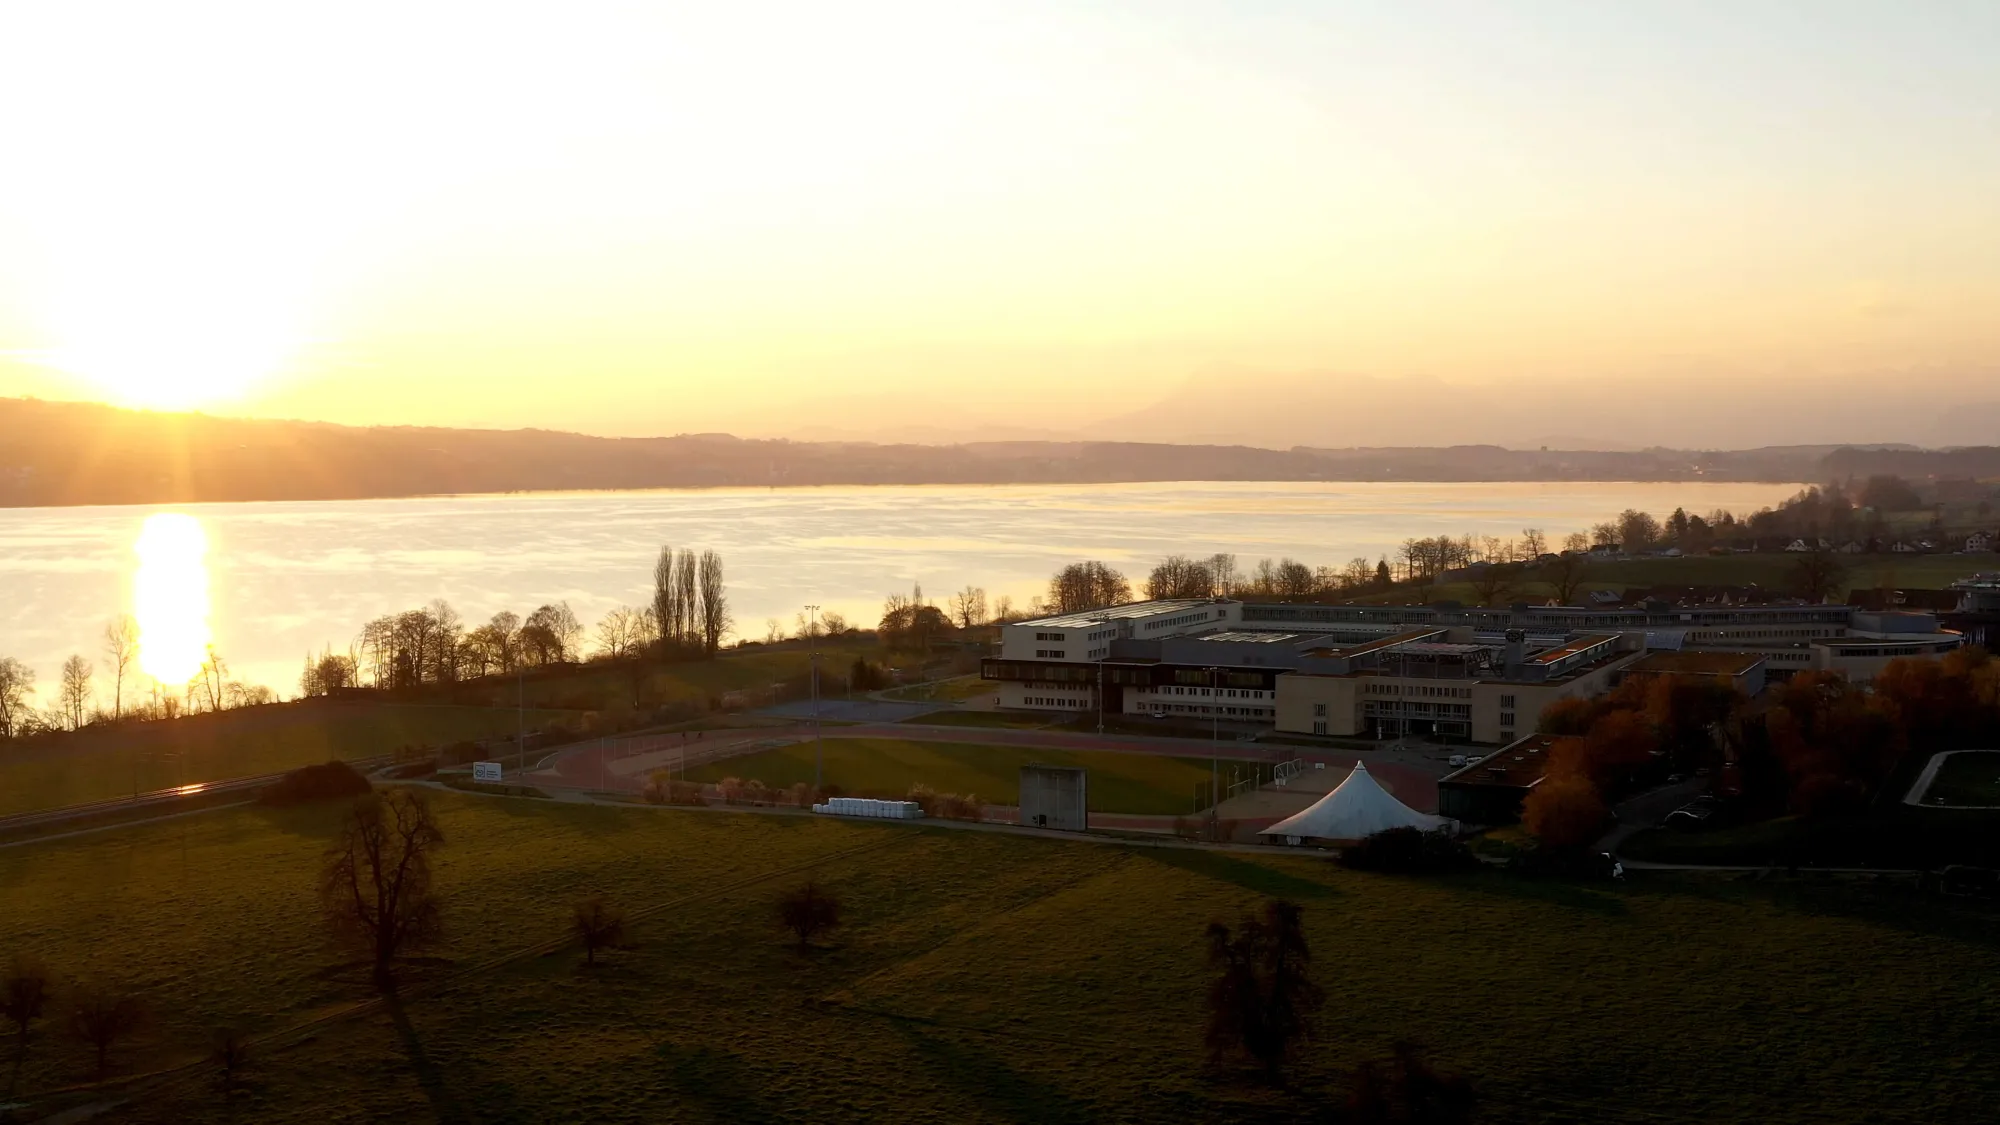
point(1407, 636)
point(1696, 662)
point(1245, 637)
point(1517, 765)
point(1442, 648)
point(1580, 644)
point(1130, 610)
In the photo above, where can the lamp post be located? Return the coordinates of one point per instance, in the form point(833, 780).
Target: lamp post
point(1100, 699)
point(819, 740)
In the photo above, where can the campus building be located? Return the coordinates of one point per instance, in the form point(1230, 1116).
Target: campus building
point(1446, 672)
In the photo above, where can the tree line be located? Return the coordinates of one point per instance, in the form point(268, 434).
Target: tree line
point(1817, 745)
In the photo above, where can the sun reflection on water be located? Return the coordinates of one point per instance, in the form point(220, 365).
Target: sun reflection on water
point(170, 597)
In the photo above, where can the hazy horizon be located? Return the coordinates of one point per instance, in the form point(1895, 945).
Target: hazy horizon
point(1692, 225)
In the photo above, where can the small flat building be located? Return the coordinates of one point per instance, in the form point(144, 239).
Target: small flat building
point(1743, 671)
point(1492, 790)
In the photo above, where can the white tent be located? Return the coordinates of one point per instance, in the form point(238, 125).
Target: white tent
point(1357, 807)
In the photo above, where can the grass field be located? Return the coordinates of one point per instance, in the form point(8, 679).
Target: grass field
point(1012, 720)
point(993, 978)
point(1126, 783)
point(101, 763)
point(1771, 570)
point(1969, 778)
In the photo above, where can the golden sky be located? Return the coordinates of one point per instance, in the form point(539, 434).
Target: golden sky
point(766, 216)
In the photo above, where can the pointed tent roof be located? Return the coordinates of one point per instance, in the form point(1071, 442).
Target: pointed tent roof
point(1357, 807)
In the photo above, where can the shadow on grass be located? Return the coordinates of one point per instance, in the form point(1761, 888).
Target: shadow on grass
point(716, 1086)
point(429, 1076)
point(1553, 892)
point(1250, 876)
point(991, 1083)
point(1917, 912)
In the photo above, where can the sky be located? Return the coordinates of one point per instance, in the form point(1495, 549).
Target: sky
point(1011, 219)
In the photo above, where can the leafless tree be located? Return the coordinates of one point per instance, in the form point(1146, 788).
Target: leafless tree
point(102, 1016)
point(666, 599)
point(715, 618)
point(598, 925)
point(968, 607)
point(1222, 569)
point(834, 622)
point(1533, 543)
point(24, 999)
point(1637, 530)
point(1818, 575)
point(1178, 576)
point(687, 595)
point(616, 633)
point(1262, 1000)
point(1357, 574)
point(1293, 579)
point(121, 648)
point(1604, 535)
point(375, 884)
point(1087, 585)
point(1495, 581)
point(1003, 608)
point(205, 692)
point(494, 647)
point(1566, 574)
point(808, 912)
point(229, 1050)
point(551, 634)
point(774, 630)
point(73, 695)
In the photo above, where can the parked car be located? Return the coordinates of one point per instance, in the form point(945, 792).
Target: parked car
point(1456, 760)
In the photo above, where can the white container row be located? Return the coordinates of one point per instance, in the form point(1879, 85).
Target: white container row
point(868, 806)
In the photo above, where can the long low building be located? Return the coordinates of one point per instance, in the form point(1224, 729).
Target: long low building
point(1444, 672)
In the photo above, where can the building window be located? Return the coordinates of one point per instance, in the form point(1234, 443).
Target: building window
point(1506, 718)
point(1049, 653)
point(1507, 701)
point(1319, 727)
point(1319, 709)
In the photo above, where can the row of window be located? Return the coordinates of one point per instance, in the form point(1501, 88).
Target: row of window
point(1419, 691)
point(1229, 693)
point(1198, 709)
point(1049, 653)
point(1050, 701)
point(1051, 636)
point(1183, 619)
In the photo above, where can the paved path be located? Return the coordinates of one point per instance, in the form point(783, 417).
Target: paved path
point(1647, 810)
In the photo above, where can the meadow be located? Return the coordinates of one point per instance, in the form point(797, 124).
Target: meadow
point(986, 978)
point(1124, 783)
point(106, 761)
point(103, 762)
point(1771, 570)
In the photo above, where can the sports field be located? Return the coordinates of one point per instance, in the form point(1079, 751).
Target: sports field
point(1970, 777)
point(1123, 783)
point(988, 978)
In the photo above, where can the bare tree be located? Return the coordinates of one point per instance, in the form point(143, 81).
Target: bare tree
point(1003, 608)
point(666, 599)
point(968, 607)
point(598, 925)
point(101, 1017)
point(834, 622)
point(375, 885)
point(1566, 574)
point(229, 1051)
point(1818, 575)
point(1222, 569)
point(808, 912)
point(1495, 582)
point(1533, 543)
point(73, 696)
point(121, 648)
point(614, 634)
point(1576, 542)
point(1087, 585)
point(1178, 576)
point(715, 618)
point(687, 597)
point(1357, 574)
point(24, 999)
point(774, 630)
point(1293, 579)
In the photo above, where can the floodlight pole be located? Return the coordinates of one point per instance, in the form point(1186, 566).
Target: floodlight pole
point(520, 721)
point(819, 739)
point(1100, 699)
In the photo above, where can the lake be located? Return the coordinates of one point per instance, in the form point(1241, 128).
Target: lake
point(283, 578)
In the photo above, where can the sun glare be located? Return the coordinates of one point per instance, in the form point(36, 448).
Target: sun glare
point(170, 597)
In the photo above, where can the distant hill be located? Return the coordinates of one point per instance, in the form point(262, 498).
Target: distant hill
point(61, 453)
